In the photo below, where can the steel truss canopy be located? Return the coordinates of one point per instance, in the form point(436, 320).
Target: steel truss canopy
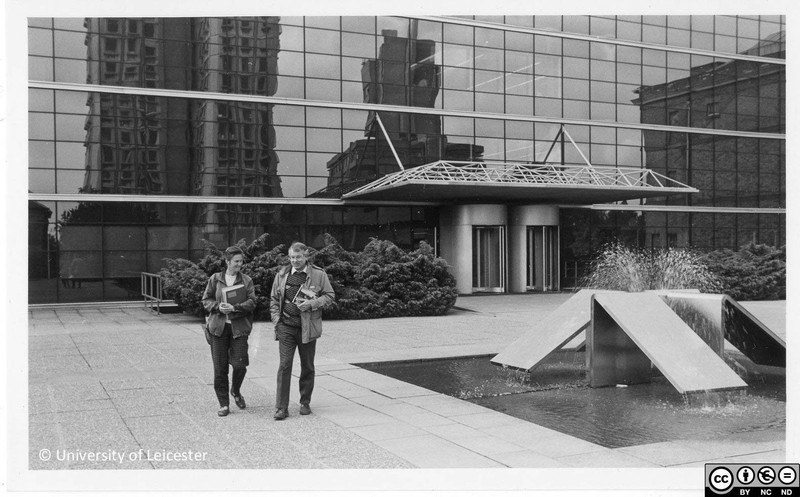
point(522, 182)
point(537, 182)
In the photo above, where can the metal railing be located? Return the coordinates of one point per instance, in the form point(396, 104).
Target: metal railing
point(152, 291)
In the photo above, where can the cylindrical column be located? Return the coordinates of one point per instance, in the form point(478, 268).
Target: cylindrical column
point(520, 217)
point(455, 225)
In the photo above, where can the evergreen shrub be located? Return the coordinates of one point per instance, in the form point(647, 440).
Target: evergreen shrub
point(382, 280)
point(754, 272)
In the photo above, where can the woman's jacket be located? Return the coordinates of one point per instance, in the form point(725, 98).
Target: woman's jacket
point(242, 315)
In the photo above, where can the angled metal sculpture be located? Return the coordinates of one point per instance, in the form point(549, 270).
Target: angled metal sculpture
point(718, 317)
point(549, 334)
point(630, 331)
point(680, 332)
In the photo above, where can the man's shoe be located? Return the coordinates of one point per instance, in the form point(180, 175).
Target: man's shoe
point(304, 409)
point(239, 400)
point(281, 413)
point(223, 411)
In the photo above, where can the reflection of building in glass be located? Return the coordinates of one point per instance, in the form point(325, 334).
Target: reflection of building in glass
point(137, 144)
point(234, 142)
point(219, 128)
point(40, 252)
point(129, 137)
point(403, 74)
point(729, 171)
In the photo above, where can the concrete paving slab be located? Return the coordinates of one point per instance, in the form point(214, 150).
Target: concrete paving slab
point(46, 345)
point(485, 445)
point(387, 431)
point(57, 364)
point(352, 415)
point(480, 420)
point(406, 426)
point(426, 419)
point(526, 459)
point(773, 456)
point(429, 451)
point(91, 433)
point(667, 453)
point(455, 430)
point(374, 399)
point(739, 444)
point(531, 437)
point(605, 458)
point(57, 418)
point(85, 406)
point(397, 410)
point(449, 406)
point(401, 390)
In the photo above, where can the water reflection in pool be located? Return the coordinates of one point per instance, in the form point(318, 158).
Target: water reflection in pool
point(556, 395)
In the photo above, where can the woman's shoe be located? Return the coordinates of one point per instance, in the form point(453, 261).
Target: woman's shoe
point(224, 411)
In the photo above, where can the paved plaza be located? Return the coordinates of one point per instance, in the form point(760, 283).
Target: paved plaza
point(131, 381)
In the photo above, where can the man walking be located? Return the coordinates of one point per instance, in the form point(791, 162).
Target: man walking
point(299, 293)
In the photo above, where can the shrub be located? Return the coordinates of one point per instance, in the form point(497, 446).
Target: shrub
point(621, 268)
point(391, 282)
point(381, 281)
point(184, 282)
point(754, 272)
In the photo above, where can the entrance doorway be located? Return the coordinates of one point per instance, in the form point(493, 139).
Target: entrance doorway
point(488, 259)
point(542, 258)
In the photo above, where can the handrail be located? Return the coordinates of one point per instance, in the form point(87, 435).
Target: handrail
point(152, 290)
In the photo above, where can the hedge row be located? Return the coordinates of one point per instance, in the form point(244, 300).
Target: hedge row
point(754, 272)
point(383, 280)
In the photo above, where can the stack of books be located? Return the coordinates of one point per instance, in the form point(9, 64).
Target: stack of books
point(235, 294)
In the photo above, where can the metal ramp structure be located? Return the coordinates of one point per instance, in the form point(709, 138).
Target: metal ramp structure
point(717, 318)
point(631, 331)
point(549, 334)
point(682, 332)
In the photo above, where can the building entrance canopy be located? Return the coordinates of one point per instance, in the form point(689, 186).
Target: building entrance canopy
point(451, 181)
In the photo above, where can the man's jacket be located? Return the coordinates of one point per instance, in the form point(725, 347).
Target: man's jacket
point(317, 282)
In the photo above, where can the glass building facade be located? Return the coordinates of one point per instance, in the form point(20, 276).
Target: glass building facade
point(149, 135)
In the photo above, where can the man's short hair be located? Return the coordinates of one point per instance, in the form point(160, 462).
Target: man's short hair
point(299, 247)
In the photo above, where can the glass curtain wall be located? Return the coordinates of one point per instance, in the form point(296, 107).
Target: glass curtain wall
point(297, 110)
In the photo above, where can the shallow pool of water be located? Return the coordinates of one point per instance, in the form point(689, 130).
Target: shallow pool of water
point(556, 395)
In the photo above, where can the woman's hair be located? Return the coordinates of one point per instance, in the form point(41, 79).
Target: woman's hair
point(230, 252)
point(298, 247)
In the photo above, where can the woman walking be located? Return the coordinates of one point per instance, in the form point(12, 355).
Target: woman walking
point(230, 325)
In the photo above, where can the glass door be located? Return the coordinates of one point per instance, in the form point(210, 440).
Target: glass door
point(488, 259)
point(542, 257)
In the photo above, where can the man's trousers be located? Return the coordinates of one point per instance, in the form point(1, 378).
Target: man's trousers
point(289, 339)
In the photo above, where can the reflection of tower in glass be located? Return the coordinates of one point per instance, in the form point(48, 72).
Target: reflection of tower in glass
point(129, 137)
point(234, 142)
point(404, 74)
